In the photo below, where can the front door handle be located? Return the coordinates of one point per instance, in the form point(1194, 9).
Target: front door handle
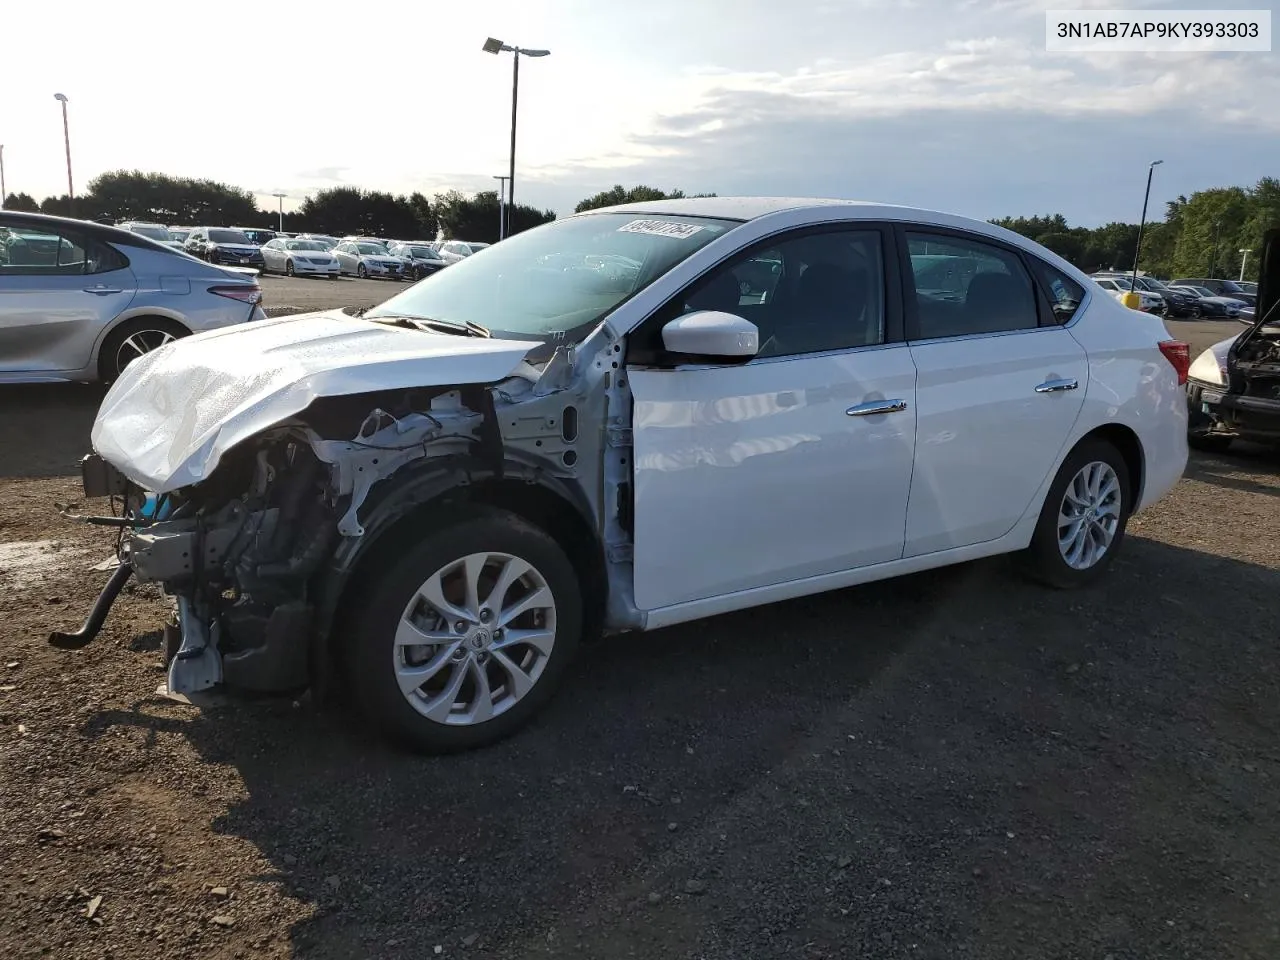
point(871, 408)
point(1057, 386)
point(101, 290)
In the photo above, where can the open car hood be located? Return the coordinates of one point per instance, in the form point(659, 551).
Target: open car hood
point(174, 412)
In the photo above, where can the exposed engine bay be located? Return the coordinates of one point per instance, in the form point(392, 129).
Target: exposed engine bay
point(256, 557)
point(1251, 407)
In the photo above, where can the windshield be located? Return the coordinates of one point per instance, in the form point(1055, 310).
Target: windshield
point(179, 234)
point(372, 249)
point(549, 280)
point(227, 236)
point(475, 247)
point(155, 233)
point(1248, 287)
point(425, 253)
point(304, 245)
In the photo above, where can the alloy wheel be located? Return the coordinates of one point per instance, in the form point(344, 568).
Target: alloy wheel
point(136, 344)
point(475, 638)
point(1089, 515)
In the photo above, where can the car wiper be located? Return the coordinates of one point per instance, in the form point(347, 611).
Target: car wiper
point(464, 328)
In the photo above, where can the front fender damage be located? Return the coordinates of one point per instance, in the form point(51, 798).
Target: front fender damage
point(256, 556)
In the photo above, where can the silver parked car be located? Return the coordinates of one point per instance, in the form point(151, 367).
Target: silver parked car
point(451, 251)
point(299, 257)
point(156, 231)
point(79, 300)
point(365, 258)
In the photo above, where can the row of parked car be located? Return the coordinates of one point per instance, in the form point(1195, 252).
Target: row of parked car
point(1185, 298)
point(310, 254)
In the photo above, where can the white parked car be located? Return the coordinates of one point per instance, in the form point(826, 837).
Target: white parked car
point(1118, 287)
point(299, 258)
point(365, 258)
point(447, 492)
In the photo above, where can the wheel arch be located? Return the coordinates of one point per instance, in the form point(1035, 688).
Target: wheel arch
point(412, 506)
point(1127, 442)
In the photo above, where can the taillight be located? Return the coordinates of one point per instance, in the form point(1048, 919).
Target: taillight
point(1178, 353)
point(247, 292)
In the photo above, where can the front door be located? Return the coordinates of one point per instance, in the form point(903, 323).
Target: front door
point(58, 291)
point(795, 464)
point(999, 388)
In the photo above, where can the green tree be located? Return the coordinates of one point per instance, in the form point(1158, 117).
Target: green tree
point(1213, 229)
point(427, 224)
point(135, 195)
point(22, 202)
point(476, 217)
point(620, 194)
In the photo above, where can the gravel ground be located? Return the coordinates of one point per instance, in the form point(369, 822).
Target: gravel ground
point(955, 764)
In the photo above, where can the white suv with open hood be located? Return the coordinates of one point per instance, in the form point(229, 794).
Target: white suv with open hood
point(618, 421)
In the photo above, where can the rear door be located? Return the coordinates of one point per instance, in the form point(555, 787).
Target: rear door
point(58, 289)
point(1000, 383)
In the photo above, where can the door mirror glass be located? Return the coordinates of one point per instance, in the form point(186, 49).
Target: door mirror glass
point(712, 335)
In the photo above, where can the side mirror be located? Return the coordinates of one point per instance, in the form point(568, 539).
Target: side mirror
point(712, 335)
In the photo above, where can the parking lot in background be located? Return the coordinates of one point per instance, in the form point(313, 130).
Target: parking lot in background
point(952, 764)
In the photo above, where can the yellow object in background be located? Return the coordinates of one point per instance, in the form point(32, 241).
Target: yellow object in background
point(1131, 300)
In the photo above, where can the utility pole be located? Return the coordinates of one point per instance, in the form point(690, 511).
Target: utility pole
point(502, 204)
point(2, 193)
point(66, 139)
point(1244, 258)
point(1213, 264)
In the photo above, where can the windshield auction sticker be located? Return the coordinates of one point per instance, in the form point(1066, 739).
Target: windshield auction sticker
point(661, 228)
point(1157, 31)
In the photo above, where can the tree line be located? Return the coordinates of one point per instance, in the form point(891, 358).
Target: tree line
point(183, 201)
point(1200, 235)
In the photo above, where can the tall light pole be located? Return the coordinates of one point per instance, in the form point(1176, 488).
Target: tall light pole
point(502, 204)
point(1133, 283)
point(1244, 258)
point(1213, 264)
point(280, 198)
point(2, 193)
point(495, 47)
point(66, 139)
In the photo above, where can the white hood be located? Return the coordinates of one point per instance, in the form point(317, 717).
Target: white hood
point(173, 413)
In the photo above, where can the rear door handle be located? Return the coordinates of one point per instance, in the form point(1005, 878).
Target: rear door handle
point(871, 408)
point(1056, 386)
point(102, 290)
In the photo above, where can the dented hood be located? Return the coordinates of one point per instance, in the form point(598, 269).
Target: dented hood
point(174, 412)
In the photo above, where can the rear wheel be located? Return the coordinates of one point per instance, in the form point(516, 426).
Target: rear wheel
point(131, 340)
point(1083, 520)
point(467, 636)
point(361, 272)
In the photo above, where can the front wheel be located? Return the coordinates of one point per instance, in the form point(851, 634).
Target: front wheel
point(288, 268)
point(1083, 520)
point(361, 272)
point(463, 640)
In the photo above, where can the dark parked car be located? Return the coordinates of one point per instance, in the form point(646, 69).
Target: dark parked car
point(223, 245)
point(422, 260)
point(1220, 288)
point(258, 235)
point(1211, 305)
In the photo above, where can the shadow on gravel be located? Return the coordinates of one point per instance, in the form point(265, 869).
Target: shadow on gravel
point(44, 430)
point(951, 764)
point(1232, 470)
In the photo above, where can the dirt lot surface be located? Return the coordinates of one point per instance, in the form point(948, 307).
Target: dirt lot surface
point(956, 764)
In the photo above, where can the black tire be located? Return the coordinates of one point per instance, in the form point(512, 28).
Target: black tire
point(1044, 557)
point(361, 272)
point(370, 652)
point(332, 276)
point(288, 268)
point(1209, 442)
point(262, 270)
point(110, 354)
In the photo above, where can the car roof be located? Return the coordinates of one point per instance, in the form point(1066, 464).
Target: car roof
point(819, 209)
point(99, 231)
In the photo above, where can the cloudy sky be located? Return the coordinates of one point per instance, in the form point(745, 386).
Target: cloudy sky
point(951, 104)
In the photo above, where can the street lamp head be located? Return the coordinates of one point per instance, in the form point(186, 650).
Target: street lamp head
point(493, 46)
point(534, 53)
point(60, 96)
point(1156, 163)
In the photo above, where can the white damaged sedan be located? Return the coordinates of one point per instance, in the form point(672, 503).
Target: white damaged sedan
point(433, 503)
